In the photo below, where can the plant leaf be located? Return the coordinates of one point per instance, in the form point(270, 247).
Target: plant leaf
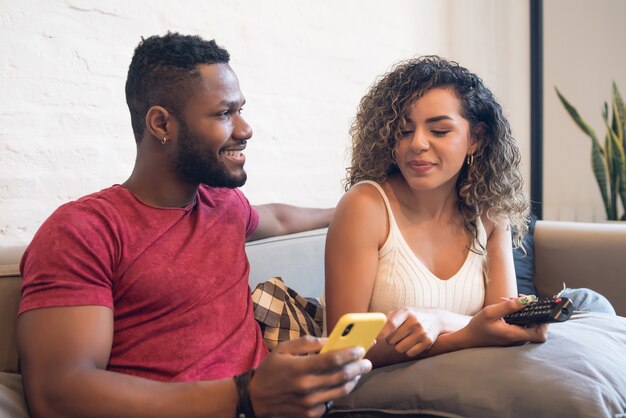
point(618, 111)
point(599, 161)
point(579, 121)
point(598, 164)
point(622, 192)
point(618, 124)
point(617, 160)
point(612, 157)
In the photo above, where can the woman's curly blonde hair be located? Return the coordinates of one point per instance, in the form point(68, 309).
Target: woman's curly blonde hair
point(491, 185)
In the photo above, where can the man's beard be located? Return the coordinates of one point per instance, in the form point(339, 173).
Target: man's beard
point(195, 165)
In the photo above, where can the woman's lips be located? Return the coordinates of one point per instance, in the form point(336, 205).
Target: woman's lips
point(421, 166)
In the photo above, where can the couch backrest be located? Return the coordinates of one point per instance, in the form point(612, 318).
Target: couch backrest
point(9, 300)
point(582, 255)
point(297, 258)
point(579, 254)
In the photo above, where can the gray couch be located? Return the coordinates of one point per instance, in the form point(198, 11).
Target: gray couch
point(499, 382)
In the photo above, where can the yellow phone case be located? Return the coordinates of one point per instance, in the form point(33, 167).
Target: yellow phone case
point(355, 329)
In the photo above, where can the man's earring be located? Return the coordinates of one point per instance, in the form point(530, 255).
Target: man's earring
point(164, 140)
point(470, 159)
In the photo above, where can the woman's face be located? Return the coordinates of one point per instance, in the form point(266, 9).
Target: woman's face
point(435, 141)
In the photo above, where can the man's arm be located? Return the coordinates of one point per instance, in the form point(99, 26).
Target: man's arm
point(279, 219)
point(64, 353)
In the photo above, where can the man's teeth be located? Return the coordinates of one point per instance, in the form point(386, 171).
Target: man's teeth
point(232, 153)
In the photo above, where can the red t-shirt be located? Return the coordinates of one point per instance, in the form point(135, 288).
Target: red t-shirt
point(176, 280)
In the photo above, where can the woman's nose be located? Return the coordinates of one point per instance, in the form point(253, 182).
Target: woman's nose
point(420, 142)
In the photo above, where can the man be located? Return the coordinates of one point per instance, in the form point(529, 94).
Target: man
point(135, 298)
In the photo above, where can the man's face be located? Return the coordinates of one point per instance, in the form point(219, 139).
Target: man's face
point(212, 133)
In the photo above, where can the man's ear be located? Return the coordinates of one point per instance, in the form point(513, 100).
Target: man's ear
point(159, 122)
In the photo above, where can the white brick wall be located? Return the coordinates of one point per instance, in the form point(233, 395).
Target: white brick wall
point(302, 65)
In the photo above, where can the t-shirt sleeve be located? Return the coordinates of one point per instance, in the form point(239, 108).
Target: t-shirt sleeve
point(251, 214)
point(70, 261)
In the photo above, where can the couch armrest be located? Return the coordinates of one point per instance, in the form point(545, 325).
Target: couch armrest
point(581, 254)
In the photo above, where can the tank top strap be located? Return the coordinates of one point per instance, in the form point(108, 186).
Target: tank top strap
point(392, 219)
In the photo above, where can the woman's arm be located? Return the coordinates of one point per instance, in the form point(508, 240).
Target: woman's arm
point(488, 329)
point(356, 232)
point(500, 268)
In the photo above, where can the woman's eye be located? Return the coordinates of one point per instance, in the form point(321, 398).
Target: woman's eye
point(440, 133)
point(406, 133)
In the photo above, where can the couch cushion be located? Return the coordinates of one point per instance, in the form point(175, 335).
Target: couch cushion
point(525, 263)
point(12, 396)
point(579, 372)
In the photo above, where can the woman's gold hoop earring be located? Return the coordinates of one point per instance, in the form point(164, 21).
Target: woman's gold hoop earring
point(164, 140)
point(470, 159)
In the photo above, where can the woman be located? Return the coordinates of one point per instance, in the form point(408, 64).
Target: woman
point(424, 230)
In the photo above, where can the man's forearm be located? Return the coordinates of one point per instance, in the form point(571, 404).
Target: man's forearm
point(297, 219)
point(94, 393)
point(280, 219)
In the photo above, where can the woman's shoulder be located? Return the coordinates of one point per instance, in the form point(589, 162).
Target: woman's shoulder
point(364, 200)
point(361, 214)
point(368, 195)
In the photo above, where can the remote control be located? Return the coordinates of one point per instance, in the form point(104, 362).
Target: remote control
point(556, 309)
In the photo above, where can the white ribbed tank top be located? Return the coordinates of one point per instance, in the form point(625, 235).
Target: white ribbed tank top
point(403, 280)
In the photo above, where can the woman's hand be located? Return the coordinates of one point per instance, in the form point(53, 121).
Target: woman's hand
point(411, 331)
point(487, 328)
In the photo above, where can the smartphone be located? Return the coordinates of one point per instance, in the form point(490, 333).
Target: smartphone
point(355, 329)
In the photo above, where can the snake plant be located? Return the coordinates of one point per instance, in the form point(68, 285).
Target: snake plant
point(608, 159)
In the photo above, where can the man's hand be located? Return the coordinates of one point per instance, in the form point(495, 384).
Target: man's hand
point(411, 331)
point(293, 381)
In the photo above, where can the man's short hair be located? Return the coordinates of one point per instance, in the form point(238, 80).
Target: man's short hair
point(161, 72)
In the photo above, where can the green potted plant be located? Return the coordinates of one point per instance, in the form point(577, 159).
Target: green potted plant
point(608, 159)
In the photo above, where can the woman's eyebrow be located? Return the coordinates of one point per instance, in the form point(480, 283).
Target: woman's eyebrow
point(438, 118)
